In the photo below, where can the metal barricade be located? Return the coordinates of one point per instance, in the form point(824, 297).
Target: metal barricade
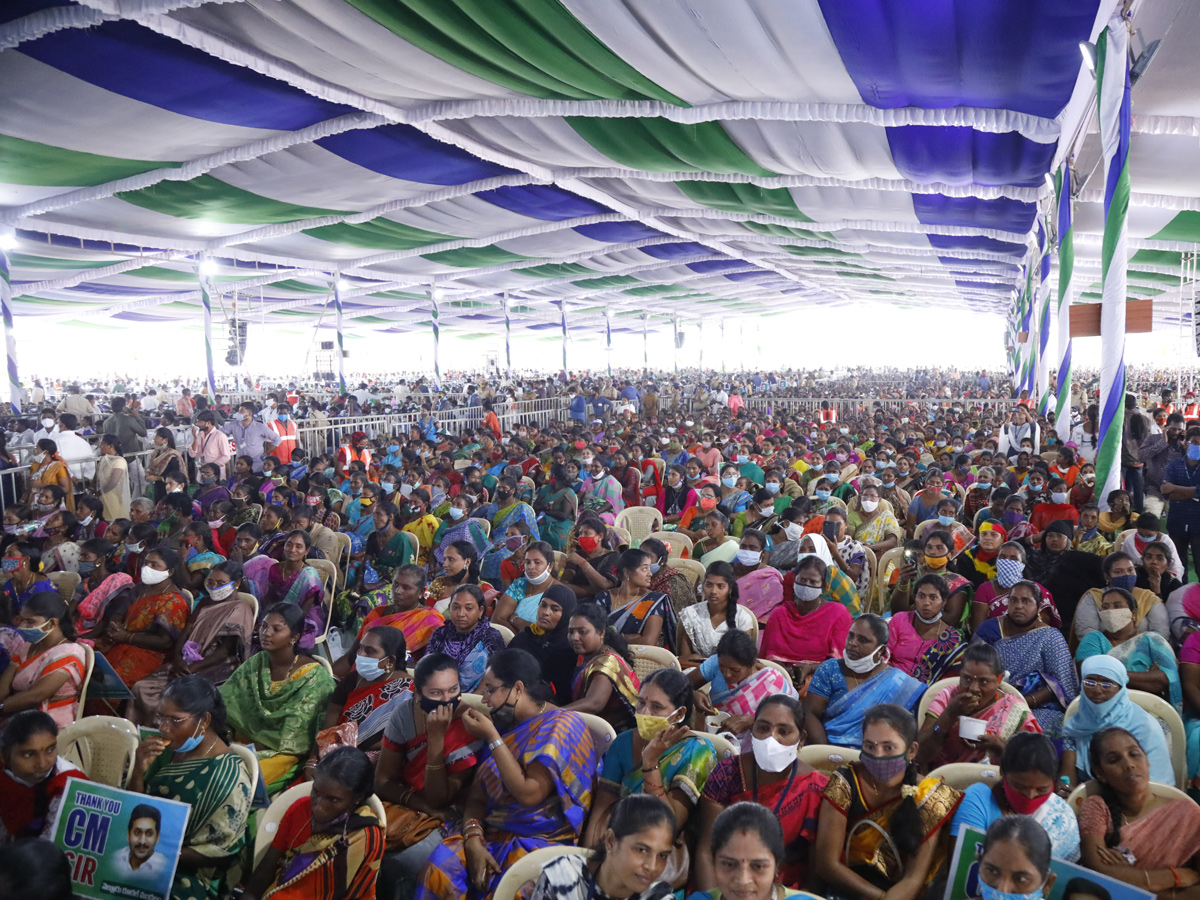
point(14, 481)
point(859, 406)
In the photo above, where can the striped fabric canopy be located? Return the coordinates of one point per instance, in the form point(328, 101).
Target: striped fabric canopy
point(681, 158)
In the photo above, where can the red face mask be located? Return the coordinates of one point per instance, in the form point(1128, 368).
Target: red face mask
point(1022, 805)
point(588, 543)
point(708, 503)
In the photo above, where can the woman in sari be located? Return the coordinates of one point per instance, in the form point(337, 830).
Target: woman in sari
point(138, 642)
point(559, 509)
point(459, 526)
point(328, 844)
point(467, 637)
point(47, 667)
point(665, 579)
point(517, 606)
point(591, 566)
point(406, 612)
point(1036, 656)
point(22, 563)
point(533, 790)
point(937, 550)
point(201, 555)
point(605, 683)
point(991, 599)
point(977, 695)
point(737, 682)
point(871, 523)
point(843, 690)
point(294, 581)
point(661, 758)
point(164, 460)
point(640, 615)
point(189, 761)
point(676, 497)
point(460, 566)
point(601, 493)
point(103, 592)
point(772, 776)
point(209, 489)
point(716, 545)
point(978, 562)
point(387, 546)
point(215, 642)
point(546, 638)
point(1120, 572)
point(1148, 657)
point(508, 510)
point(921, 643)
point(47, 469)
point(879, 826)
point(277, 697)
point(60, 551)
point(367, 696)
point(808, 627)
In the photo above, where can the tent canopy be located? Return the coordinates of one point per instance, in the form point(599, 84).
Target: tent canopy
point(638, 158)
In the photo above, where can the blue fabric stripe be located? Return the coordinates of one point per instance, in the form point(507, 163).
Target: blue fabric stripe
point(617, 232)
point(1001, 54)
point(401, 151)
point(930, 154)
point(542, 201)
point(953, 242)
point(971, 212)
point(954, 262)
point(674, 251)
point(127, 59)
point(985, 285)
point(17, 9)
point(711, 265)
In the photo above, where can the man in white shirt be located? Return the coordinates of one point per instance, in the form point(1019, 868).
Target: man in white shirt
point(76, 404)
point(72, 447)
point(140, 861)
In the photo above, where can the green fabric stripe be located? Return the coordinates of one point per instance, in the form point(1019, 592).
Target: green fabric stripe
point(535, 47)
point(607, 281)
point(1156, 277)
point(378, 234)
point(475, 257)
point(1156, 258)
point(651, 290)
point(49, 262)
point(804, 251)
point(556, 270)
point(43, 165)
point(660, 145)
point(1184, 227)
point(209, 200)
point(744, 198)
point(300, 287)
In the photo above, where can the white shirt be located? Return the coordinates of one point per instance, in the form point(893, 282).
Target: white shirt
point(156, 868)
point(698, 626)
point(72, 447)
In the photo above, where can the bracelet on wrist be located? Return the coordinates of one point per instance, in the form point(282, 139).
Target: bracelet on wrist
point(498, 742)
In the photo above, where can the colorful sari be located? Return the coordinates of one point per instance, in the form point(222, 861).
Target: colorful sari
point(370, 706)
point(418, 625)
point(91, 609)
point(925, 660)
point(1007, 715)
point(470, 651)
point(219, 791)
point(280, 718)
point(462, 751)
point(63, 705)
point(844, 714)
point(517, 511)
point(1164, 837)
point(877, 528)
point(743, 698)
point(632, 617)
point(1034, 659)
point(298, 589)
point(995, 597)
point(423, 529)
point(343, 862)
point(395, 553)
point(167, 613)
point(685, 767)
point(623, 699)
point(790, 637)
point(1140, 653)
point(556, 531)
point(560, 741)
point(795, 802)
point(466, 530)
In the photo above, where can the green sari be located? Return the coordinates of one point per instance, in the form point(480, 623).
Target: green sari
point(556, 532)
point(219, 791)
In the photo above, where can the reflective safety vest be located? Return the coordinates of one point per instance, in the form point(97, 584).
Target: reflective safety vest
point(828, 415)
point(348, 454)
point(285, 442)
point(1191, 411)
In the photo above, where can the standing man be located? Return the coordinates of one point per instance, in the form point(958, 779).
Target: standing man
point(285, 435)
point(185, 406)
point(129, 429)
point(253, 439)
point(1180, 488)
point(208, 444)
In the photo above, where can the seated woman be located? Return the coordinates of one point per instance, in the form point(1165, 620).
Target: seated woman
point(760, 585)
point(938, 547)
point(517, 606)
point(676, 497)
point(591, 565)
point(328, 844)
point(1120, 572)
point(665, 579)
point(661, 757)
point(277, 697)
point(1148, 657)
point(717, 545)
point(33, 777)
point(547, 640)
point(808, 629)
point(634, 611)
point(460, 566)
point(47, 469)
point(22, 563)
point(1154, 574)
point(467, 637)
point(1015, 860)
point(630, 859)
point(104, 592)
point(189, 761)
point(48, 665)
point(1035, 655)
point(215, 642)
point(60, 551)
point(459, 525)
point(870, 522)
point(879, 826)
point(978, 562)
point(138, 642)
point(1131, 834)
point(921, 643)
point(991, 600)
point(978, 696)
point(533, 790)
point(1105, 704)
point(367, 696)
point(843, 690)
point(738, 682)
point(605, 683)
point(702, 625)
point(197, 543)
point(770, 775)
point(388, 546)
point(748, 856)
point(294, 581)
point(1028, 777)
point(508, 509)
point(406, 612)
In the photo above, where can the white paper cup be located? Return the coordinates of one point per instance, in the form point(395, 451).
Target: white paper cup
point(970, 729)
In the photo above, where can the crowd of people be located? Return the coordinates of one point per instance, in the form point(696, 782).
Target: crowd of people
point(618, 630)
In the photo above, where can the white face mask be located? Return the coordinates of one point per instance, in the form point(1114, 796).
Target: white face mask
point(47, 424)
point(749, 557)
point(864, 665)
point(794, 531)
point(538, 579)
point(154, 576)
point(1113, 620)
point(869, 505)
point(771, 755)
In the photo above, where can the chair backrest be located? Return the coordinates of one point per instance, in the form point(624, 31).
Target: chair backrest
point(342, 561)
point(327, 572)
point(720, 745)
point(528, 869)
point(1092, 788)
point(639, 521)
point(475, 702)
point(827, 757)
point(651, 659)
point(962, 775)
point(321, 660)
point(679, 545)
point(872, 570)
point(603, 734)
point(919, 531)
point(938, 686)
point(414, 546)
point(250, 761)
point(771, 664)
point(1121, 537)
point(622, 534)
point(891, 558)
point(560, 560)
point(692, 570)
point(1168, 719)
point(251, 601)
point(65, 583)
point(269, 818)
point(506, 634)
point(187, 595)
point(102, 747)
point(486, 525)
point(89, 665)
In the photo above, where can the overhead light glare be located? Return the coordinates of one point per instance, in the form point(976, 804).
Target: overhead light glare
point(1090, 59)
point(208, 267)
point(8, 240)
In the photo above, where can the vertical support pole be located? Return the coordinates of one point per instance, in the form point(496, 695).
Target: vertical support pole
point(645, 343)
point(341, 351)
point(723, 347)
point(675, 338)
point(608, 337)
point(507, 336)
point(437, 366)
point(1041, 396)
point(1066, 291)
point(562, 308)
point(206, 304)
point(10, 338)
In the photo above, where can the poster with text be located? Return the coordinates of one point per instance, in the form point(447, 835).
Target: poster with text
point(119, 844)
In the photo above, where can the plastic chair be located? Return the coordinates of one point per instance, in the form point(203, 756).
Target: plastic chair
point(475, 702)
point(938, 686)
point(89, 665)
point(414, 545)
point(771, 664)
point(872, 564)
point(603, 734)
point(342, 560)
point(1168, 720)
point(639, 521)
point(679, 545)
point(269, 818)
point(486, 525)
point(529, 868)
point(560, 560)
point(65, 583)
point(721, 746)
point(826, 757)
point(891, 558)
point(102, 747)
point(1092, 788)
point(622, 535)
point(691, 570)
point(651, 659)
point(250, 761)
point(321, 660)
point(505, 633)
point(251, 601)
point(962, 775)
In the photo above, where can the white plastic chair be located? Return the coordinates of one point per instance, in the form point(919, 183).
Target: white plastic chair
point(1091, 788)
point(677, 542)
point(692, 570)
point(251, 601)
point(1170, 722)
point(506, 634)
point(269, 818)
point(65, 583)
point(651, 659)
point(879, 592)
point(721, 746)
point(89, 666)
point(102, 747)
point(250, 760)
point(603, 734)
point(529, 868)
point(937, 687)
point(962, 775)
point(827, 757)
point(639, 521)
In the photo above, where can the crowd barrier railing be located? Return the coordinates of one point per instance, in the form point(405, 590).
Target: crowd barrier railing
point(14, 481)
point(859, 406)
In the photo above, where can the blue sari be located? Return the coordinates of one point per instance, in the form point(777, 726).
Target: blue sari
point(847, 708)
point(465, 530)
point(1035, 659)
point(489, 567)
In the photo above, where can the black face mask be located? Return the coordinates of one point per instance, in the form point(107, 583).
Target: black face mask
point(505, 718)
point(431, 706)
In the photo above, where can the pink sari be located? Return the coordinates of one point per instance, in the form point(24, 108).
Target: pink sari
point(790, 637)
point(761, 591)
point(63, 705)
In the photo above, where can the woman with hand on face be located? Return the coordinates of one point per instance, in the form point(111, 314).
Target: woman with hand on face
point(591, 566)
point(937, 551)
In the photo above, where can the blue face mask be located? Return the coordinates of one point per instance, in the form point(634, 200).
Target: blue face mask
point(730, 481)
point(85, 567)
point(388, 486)
point(1193, 452)
point(1128, 582)
point(742, 459)
point(393, 448)
point(31, 635)
point(987, 892)
point(823, 495)
point(945, 521)
point(835, 477)
point(456, 513)
point(191, 743)
point(282, 417)
point(772, 487)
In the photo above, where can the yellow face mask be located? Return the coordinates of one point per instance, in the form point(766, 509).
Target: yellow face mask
point(649, 726)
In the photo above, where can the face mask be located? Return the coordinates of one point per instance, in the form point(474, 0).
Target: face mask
point(588, 543)
point(654, 567)
point(793, 531)
point(869, 505)
point(33, 635)
point(10, 564)
point(514, 542)
point(708, 503)
point(840, 457)
point(749, 557)
point(823, 495)
point(191, 743)
point(945, 521)
point(742, 459)
point(987, 892)
point(835, 477)
point(223, 592)
point(772, 487)
point(864, 665)
point(154, 576)
point(1193, 452)
point(1012, 517)
point(771, 755)
point(1020, 804)
point(85, 567)
point(505, 718)
point(884, 768)
point(47, 424)
point(368, 667)
point(729, 481)
point(1035, 488)
point(134, 548)
point(1058, 497)
point(649, 726)
point(1091, 479)
point(939, 443)
point(431, 706)
point(1009, 571)
point(538, 579)
point(1128, 582)
point(313, 501)
point(407, 489)
point(456, 513)
point(393, 448)
point(806, 593)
